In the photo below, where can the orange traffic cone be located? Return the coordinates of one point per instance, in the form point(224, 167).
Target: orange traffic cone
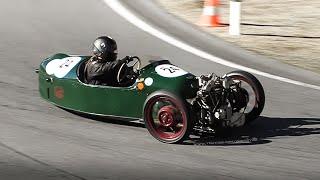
point(210, 16)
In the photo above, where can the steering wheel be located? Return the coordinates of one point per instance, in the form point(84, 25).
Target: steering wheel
point(129, 70)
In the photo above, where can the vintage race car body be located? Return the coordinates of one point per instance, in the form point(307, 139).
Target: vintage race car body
point(171, 102)
point(61, 83)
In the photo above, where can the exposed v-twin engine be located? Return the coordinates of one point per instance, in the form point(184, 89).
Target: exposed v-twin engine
point(220, 100)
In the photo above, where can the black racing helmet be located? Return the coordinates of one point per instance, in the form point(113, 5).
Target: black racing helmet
point(105, 48)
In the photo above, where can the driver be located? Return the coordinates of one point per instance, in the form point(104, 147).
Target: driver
point(102, 67)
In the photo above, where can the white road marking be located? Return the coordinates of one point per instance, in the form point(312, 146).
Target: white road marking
point(116, 6)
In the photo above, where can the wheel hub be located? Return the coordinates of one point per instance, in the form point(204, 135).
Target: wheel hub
point(167, 116)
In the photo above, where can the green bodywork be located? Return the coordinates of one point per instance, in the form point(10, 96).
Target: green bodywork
point(127, 102)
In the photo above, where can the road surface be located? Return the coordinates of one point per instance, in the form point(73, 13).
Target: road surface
point(40, 141)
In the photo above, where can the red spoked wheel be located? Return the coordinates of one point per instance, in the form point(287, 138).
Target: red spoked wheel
point(166, 118)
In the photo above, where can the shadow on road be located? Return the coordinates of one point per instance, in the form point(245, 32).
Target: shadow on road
point(284, 36)
point(261, 131)
point(262, 25)
point(119, 121)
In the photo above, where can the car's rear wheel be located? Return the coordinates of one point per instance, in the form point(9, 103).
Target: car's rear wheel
point(166, 118)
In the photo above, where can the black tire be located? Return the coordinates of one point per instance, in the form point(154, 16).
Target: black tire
point(258, 90)
point(179, 105)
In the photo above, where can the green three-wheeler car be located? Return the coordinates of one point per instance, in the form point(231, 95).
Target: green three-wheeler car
point(171, 102)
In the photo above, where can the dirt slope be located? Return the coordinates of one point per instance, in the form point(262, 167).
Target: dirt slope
point(286, 30)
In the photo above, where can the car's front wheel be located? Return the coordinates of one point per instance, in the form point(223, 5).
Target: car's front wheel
point(166, 118)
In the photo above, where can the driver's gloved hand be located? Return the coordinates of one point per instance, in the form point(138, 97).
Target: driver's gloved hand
point(125, 59)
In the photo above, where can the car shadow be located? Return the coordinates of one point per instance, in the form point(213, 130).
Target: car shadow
point(261, 131)
point(118, 121)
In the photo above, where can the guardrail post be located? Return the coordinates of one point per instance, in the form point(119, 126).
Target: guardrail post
point(235, 17)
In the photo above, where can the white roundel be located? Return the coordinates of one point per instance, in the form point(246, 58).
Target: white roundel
point(148, 81)
point(61, 67)
point(168, 70)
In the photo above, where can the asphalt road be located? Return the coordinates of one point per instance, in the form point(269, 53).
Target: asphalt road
point(40, 141)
